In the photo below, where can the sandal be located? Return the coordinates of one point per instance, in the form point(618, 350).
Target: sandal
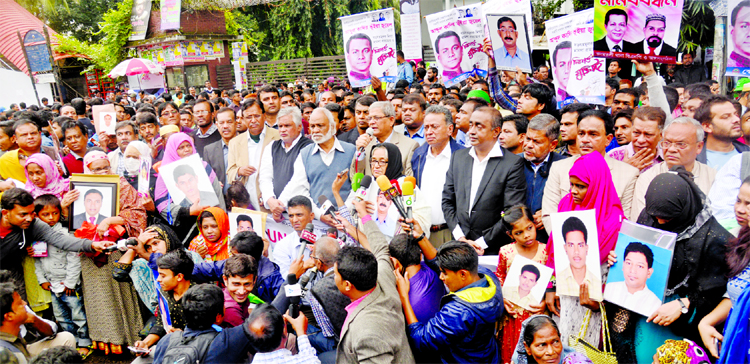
point(86, 354)
point(104, 347)
point(116, 349)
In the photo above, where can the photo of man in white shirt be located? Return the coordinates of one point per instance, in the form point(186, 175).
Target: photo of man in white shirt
point(632, 293)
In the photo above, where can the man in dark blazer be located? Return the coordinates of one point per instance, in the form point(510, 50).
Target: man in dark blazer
point(481, 183)
point(92, 201)
point(653, 38)
point(216, 154)
point(616, 24)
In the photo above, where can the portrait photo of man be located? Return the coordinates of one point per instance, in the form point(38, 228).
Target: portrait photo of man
point(561, 58)
point(616, 24)
point(359, 55)
point(244, 223)
point(633, 293)
point(510, 55)
point(653, 38)
point(569, 279)
point(92, 202)
point(186, 181)
point(521, 294)
point(450, 53)
point(740, 35)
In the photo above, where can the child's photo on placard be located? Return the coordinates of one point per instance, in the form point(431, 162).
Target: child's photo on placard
point(246, 221)
point(576, 253)
point(526, 282)
point(638, 279)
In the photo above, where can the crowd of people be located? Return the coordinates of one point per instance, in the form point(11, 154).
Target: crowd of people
point(489, 161)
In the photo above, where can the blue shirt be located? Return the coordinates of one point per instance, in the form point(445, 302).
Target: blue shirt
point(405, 72)
point(461, 139)
point(716, 160)
point(504, 59)
point(418, 136)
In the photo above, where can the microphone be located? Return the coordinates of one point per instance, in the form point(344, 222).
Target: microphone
point(327, 206)
point(306, 236)
point(394, 183)
point(391, 193)
point(369, 132)
point(361, 193)
point(411, 179)
point(408, 189)
point(307, 276)
point(294, 293)
point(332, 233)
point(357, 180)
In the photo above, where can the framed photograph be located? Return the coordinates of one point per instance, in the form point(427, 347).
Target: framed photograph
point(526, 282)
point(638, 280)
point(510, 41)
point(576, 253)
point(105, 118)
point(188, 183)
point(99, 199)
point(247, 220)
point(385, 215)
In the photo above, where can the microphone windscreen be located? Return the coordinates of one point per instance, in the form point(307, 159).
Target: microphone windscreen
point(407, 188)
point(358, 178)
point(322, 199)
point(310, 227)
point(394, 183)
point(370, 132)
point(383, 183)
point(411, 179)
point(366, 182)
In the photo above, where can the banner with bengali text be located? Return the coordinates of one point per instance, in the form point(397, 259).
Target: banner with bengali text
point(370, 47)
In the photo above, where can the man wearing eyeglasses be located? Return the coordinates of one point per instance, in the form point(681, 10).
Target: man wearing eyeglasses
point(509, 56)
point(381, 118)
point(682, 140)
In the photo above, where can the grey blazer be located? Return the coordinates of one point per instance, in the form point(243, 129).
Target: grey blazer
point(375, 331)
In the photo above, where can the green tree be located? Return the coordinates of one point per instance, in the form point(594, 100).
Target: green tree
point(697, 26)
point(80, 19)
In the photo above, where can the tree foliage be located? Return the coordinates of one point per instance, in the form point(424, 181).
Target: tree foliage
point(697, 26)
point(300, 28)
point(110, 50)
point(79, 19)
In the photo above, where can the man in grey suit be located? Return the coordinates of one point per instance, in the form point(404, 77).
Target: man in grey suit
point(216, 154)
point(374, 329)
point(482, 181)
point(92, 201)
point(382, 118)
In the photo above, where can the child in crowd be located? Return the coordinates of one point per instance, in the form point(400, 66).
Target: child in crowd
point(519, 223)
point(59, 271)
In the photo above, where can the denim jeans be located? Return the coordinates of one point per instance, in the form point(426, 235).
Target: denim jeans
point(69, 313)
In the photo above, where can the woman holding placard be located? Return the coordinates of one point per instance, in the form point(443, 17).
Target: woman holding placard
point(591, 188)
point(698, 275)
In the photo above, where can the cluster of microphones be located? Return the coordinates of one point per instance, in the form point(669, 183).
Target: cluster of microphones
point(402, 197)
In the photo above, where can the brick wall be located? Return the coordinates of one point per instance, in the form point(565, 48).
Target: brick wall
point(197, 22)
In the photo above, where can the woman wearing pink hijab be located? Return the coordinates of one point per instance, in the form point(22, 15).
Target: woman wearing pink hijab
point(43, 178)
point(591, 188)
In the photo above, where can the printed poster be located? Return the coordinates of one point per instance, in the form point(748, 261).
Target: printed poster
point(510, 7)
point(641, 30)
point(170, 14)
point(578, 76)
point(526, 282)
point(370, 47)
point(576, 253)
point(411, 24)
point(510, 42)
point(456, 36)
point(738, 42)
point(139, 19)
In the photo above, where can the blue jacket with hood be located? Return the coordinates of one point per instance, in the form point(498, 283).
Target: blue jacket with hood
point(463, 330)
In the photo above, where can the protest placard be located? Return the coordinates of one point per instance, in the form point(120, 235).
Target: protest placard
point(370, 46)
point(510, 41)
point(738, 42)
point(457, 35)
point(510, 7)
point(578, 75)
point(641, 30)
point(411, 24)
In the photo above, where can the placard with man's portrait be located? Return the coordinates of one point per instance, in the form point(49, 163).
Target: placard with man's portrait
point(526, 282)
point(576, 253)
point(510, 41)
point(188, 183)
point(370, 47)
point(98, 199)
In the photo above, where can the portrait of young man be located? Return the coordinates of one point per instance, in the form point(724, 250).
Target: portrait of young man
point(633, 293)
point(576, 247)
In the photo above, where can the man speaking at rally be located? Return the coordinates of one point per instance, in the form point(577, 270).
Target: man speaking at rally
point(509, 55)
point(359, 55)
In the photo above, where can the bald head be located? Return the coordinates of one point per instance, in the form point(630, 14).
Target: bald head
point(326, 249)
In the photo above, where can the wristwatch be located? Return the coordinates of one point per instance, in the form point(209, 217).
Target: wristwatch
point(684, 308)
